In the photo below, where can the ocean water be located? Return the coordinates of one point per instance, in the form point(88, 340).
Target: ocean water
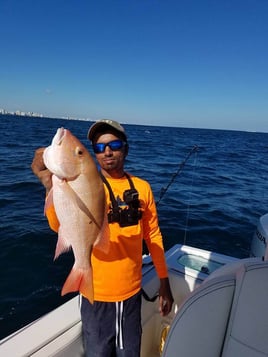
point(213, 201)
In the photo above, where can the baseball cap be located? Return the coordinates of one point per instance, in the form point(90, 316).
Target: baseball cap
point(104, 124)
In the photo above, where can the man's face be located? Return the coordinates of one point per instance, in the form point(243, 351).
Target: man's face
point(112, 161)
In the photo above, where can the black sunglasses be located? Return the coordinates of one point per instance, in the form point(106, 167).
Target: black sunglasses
point(113, 145)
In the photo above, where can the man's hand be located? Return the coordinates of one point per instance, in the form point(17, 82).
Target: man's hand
point(165, 297)
point(40, 170)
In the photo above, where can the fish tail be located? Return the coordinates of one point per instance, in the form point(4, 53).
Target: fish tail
point(80, 280)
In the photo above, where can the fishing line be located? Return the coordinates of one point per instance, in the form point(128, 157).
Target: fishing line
point(177, 173)
point(189, 202)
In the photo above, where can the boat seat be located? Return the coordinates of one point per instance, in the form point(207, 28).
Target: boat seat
point(225, 316)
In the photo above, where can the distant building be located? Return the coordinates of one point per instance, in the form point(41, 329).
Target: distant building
point(21, 113)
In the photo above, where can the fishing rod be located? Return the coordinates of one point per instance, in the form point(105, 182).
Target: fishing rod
point(178, 172)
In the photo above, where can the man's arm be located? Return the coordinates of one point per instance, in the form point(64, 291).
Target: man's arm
point(154, 241)
point(45, 176)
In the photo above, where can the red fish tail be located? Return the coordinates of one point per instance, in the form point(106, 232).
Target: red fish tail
point(80, 280)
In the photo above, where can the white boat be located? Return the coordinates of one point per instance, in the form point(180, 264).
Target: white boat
point(220, 309)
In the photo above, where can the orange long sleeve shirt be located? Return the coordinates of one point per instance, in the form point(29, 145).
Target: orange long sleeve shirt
point(117, 274)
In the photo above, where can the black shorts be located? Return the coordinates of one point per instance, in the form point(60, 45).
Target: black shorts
point(112, 329)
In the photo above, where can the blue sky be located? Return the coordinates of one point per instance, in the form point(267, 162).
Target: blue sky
point(189, 63)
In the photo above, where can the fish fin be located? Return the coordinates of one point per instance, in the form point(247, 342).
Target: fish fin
point(78, 202)
point(70, 192)
point(62, 245)
point(103, 239)
point(80, 280)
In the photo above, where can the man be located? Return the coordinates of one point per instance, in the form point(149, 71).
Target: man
point(112, 325)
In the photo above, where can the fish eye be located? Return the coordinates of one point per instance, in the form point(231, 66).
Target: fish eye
point(79, 151)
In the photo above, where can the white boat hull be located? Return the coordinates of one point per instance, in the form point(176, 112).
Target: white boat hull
point(58, 333)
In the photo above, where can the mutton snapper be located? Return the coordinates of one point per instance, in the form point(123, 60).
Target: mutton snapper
point(79, 200)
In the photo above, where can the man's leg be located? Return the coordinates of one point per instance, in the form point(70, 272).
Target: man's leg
point(98, 324)
point(128, 339)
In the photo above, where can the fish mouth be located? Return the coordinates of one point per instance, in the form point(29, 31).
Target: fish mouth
point(56, 157)
point(48, 153)
point(58, 138)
